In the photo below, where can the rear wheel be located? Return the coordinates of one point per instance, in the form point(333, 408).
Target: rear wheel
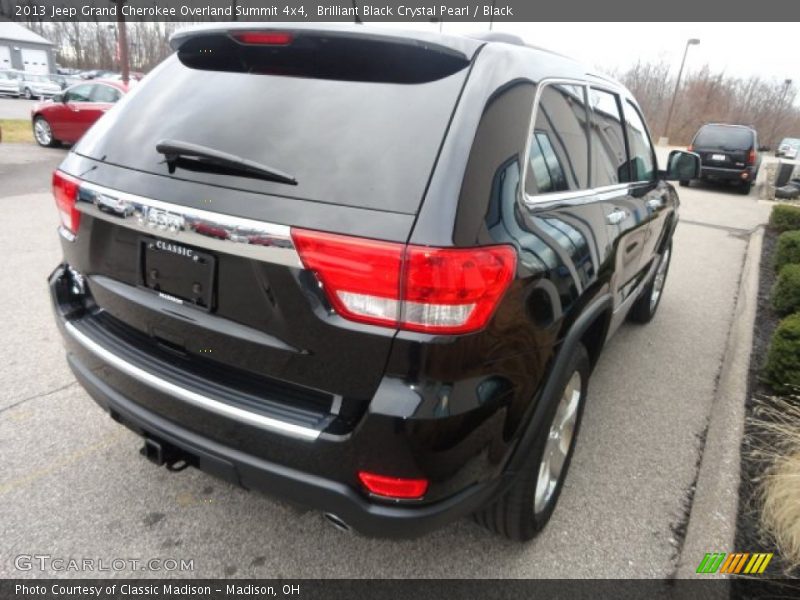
point(527, 506)
point(43, 133)
point(644, 309)
point(744, 188)
point(28, 94)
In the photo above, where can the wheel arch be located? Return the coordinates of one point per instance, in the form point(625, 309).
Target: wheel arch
point(589, 329)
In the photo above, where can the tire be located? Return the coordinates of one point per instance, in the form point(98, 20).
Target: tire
point(28, 94)
point(744, 188)
point(684, 183)
point(526, 507)
point(43, 133)
point(645, 307)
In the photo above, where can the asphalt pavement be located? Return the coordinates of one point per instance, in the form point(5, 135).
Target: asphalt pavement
point(74, 485)
point(15, 108)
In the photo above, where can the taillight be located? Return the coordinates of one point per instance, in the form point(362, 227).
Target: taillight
point(439, 290)
point(751, 157)
point(393, 487)
point(65, 192)
point(263, 38)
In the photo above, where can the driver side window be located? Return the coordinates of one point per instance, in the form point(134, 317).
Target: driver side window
point(80, 93)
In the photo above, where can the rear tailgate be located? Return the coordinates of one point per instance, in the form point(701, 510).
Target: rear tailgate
point(361, 148)
point(722, 146)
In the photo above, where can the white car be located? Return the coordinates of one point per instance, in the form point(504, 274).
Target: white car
point(37, 86)
point(789, 148)
point(8, 84)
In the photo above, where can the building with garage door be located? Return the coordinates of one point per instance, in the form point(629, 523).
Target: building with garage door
point(22, 49)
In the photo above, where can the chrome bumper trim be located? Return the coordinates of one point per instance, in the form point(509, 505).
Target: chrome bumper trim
point(258, 240)
point(204, 402)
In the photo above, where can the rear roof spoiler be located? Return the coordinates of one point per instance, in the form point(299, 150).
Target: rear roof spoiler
point(351, 53)
point(464, 46)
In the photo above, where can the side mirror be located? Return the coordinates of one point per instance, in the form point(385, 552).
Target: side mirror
point(58, 97)
point(682, 166)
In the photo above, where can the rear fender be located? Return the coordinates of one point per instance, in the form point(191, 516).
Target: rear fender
point(550, 391)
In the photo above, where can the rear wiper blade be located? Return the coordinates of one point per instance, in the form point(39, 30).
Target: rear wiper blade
point(199, 157)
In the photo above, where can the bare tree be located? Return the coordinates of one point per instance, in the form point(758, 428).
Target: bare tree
point(706, 96)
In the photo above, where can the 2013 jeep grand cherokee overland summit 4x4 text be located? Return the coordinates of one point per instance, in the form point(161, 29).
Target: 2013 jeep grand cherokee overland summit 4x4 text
point(366, 272)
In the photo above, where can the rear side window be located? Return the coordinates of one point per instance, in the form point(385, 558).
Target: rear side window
point(559, 152)
point(717, 136)
point(609, 157)
point(641, 150)
point(105, 93)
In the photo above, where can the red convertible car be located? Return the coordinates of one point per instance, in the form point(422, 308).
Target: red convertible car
point(70, 114)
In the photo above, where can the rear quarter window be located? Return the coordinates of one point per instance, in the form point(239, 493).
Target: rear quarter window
point(558, 159)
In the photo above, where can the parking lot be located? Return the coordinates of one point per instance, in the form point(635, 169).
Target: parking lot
point(15, 108)
point(74, 485)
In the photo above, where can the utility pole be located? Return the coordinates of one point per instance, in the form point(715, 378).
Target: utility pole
point(357, 20)
point(123, 46)
point(122, 42)
point(665, 139)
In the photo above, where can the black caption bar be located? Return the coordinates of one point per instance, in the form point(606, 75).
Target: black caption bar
point(394, 589)
point(399, 10)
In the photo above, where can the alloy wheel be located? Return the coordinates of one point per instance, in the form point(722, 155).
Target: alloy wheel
point(42, 131)
point(559, 441)
point(659, 279)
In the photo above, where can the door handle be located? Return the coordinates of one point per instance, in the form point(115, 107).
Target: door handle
point(655, 203)
point(617, 216)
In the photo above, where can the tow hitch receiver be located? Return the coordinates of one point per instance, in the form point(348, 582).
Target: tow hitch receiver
point(160, 453)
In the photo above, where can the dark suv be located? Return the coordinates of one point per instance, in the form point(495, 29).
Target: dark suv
point(368, 273)
point(728, 153)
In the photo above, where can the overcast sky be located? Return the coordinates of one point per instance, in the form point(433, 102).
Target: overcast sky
point(771, 50)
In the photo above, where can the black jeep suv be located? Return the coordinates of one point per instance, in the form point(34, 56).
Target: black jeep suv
point(728, 153)
point(367, 272)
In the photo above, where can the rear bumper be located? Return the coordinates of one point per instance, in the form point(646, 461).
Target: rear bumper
point(301, 488)
point(132, 403)
point(720, 174)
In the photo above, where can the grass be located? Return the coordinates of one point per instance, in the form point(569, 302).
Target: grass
point(16, 131)
point(779, 419)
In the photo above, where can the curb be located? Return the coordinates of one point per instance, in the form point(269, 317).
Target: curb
point(712, 519)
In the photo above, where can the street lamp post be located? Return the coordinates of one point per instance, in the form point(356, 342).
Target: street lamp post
point(691, 42)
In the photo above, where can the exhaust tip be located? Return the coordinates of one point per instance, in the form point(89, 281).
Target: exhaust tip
point(337, 522)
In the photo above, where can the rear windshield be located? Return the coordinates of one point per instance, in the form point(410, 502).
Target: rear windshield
point(358, 143)
point(715, 136)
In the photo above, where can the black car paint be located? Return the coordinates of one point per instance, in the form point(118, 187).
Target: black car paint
point(735, 142)
point(458, 410)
